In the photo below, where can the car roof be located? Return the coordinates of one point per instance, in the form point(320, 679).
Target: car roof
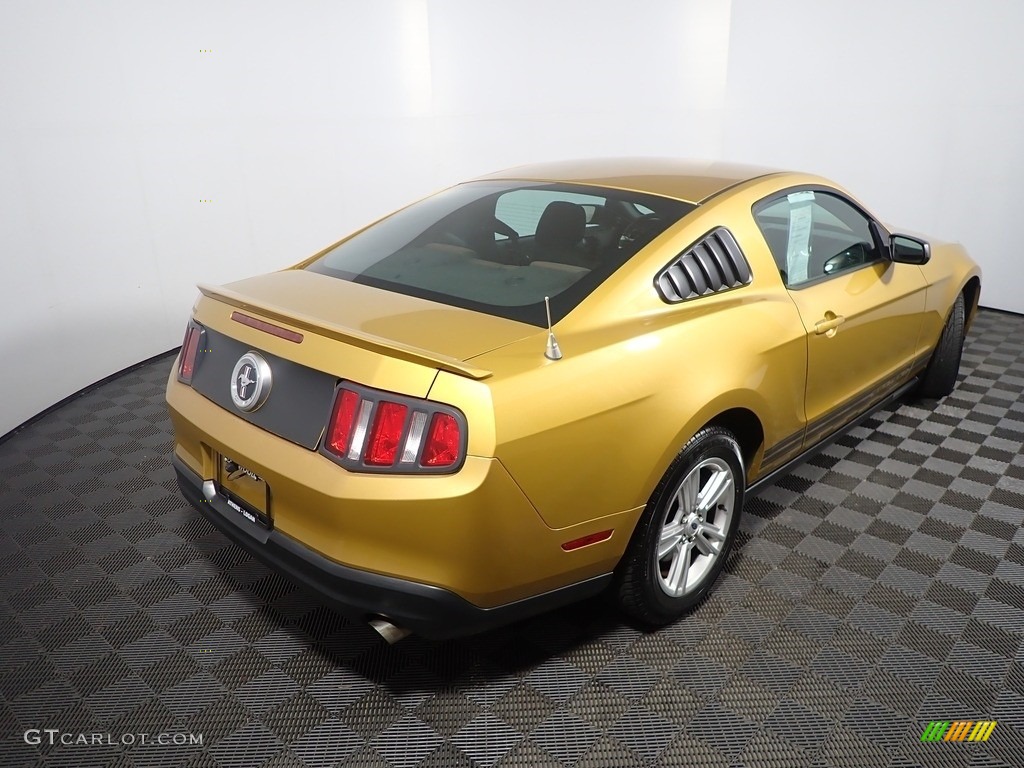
point(692, 181)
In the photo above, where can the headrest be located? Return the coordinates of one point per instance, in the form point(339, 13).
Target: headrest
point(562, 224)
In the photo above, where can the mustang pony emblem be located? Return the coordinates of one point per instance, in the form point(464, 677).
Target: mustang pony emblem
point(244, 381)
point(250, 370)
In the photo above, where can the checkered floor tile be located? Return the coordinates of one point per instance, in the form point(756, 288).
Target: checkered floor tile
point(876, 589)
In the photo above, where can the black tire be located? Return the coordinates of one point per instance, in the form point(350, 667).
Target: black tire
point(939, 377)
point(644, 580)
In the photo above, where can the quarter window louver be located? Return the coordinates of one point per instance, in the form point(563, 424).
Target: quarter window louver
point(714, 264)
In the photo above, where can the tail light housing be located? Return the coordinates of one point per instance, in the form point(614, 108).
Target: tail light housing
point(375, 431)
point(189, 352)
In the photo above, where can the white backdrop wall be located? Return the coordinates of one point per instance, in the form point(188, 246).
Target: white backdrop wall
point(145, 147)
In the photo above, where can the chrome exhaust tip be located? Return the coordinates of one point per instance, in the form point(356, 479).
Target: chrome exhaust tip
point(387, 630)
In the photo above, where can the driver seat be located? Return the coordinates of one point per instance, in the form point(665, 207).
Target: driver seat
point(560, 233)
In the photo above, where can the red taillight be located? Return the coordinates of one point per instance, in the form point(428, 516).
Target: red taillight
point(342, 418)
point(374, 431)
point(189, 347)
point(386, 434)
point(443, 441)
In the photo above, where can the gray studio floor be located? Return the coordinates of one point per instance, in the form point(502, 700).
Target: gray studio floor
point(877, 588)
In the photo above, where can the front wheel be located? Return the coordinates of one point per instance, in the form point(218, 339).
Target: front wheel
point(686, 531)
point(940, 376)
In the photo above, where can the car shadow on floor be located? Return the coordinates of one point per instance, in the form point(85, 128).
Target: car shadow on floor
point(586, 635)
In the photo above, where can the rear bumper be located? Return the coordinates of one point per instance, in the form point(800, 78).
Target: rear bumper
point(427, 610)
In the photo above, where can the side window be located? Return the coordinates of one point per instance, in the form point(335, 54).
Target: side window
point(814, 235)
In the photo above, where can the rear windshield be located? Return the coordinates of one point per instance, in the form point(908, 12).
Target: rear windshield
point(501, 247)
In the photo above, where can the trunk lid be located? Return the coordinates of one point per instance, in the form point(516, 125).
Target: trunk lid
point(394, 324)
point(312, 330)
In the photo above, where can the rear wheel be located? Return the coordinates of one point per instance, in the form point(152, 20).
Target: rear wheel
point(940, 376)
point(686, 531)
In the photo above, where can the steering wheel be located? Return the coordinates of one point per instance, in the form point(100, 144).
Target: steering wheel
point(639, 232)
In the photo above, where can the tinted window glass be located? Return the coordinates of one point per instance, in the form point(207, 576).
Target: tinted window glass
point(521, 209)
point(814, 235)
point(501, 247)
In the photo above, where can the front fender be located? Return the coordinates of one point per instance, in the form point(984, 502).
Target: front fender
point(948, 273)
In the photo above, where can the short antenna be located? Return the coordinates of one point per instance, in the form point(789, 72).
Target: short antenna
point(553, 352)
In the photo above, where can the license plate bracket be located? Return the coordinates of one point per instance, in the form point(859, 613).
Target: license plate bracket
point(246, 493)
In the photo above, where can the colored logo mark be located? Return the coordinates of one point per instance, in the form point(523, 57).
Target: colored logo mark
point(958, 730)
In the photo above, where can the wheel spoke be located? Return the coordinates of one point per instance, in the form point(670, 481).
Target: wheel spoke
point(677, 572)
point(716, 488)
point(670, 537)
point(709, 539)
point(675, 516)
point(688, 493)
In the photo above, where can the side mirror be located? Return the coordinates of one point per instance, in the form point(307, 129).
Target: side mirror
point(910, 250)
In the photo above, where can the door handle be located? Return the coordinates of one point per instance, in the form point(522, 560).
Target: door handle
point(829, 324)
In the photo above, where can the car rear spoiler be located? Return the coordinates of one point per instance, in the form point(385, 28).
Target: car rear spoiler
point(346, 335)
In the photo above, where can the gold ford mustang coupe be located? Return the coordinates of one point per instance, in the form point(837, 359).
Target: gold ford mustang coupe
point(550, 382)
